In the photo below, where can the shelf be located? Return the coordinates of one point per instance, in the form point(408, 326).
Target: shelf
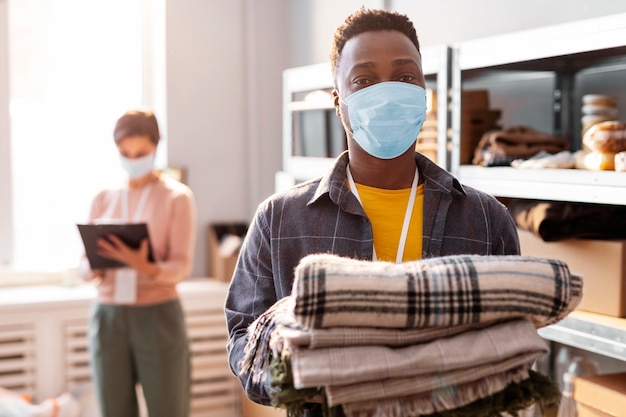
point(568, 46)
point(592, 332)
point(574, 58)
point(310, 105)
point(601, 187)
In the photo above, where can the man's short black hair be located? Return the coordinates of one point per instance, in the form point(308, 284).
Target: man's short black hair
point(367, 20)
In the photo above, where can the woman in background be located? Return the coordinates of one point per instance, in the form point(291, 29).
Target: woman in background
point(137, 328)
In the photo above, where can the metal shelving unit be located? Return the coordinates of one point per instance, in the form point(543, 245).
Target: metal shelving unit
point(591, 332)
point(565, 52)
point(600, 187)
point(568, 51)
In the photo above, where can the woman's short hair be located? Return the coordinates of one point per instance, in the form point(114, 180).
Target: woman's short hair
point(137, 122)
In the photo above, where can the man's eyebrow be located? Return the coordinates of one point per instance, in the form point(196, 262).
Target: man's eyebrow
point(404, 61)
point(368, 64)
point(396, 63)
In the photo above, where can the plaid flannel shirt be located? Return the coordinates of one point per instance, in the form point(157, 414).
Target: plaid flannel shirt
point(323, 216)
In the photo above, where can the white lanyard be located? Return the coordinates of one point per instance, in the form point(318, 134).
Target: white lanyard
point(140, 205)
point(407, 215)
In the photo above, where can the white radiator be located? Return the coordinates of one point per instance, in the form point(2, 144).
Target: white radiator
point(77, 372)
point(43, 344)
point(17, 362)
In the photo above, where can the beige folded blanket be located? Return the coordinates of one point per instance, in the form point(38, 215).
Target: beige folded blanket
point(516, 142)
point(440, 399)
point(348, 371)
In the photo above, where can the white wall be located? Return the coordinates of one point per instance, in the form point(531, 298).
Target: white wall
point(441, 22)
point(313, 25)
point(451, 21)
point(5, 161)
point(224, 67)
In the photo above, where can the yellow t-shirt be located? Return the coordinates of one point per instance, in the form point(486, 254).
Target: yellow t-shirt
point(386, 210)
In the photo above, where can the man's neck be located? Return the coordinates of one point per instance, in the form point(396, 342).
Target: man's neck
point(392, 174)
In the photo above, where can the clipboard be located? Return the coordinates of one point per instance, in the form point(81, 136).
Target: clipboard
point(130, 233)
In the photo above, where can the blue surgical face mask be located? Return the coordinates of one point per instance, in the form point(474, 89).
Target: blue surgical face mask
point(138, 167)
point(387, 117)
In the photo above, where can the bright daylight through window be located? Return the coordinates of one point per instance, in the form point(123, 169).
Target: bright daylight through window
point(74, 67)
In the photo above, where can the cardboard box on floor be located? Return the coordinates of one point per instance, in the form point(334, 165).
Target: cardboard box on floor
point(224, 240)
point(601, 263)
point(601, 395)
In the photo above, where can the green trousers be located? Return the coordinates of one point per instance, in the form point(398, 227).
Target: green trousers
point(147, 345)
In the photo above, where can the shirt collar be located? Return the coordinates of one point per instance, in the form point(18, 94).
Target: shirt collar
point(333, 183)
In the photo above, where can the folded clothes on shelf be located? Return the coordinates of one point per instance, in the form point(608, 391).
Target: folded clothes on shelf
point(558, 220)
point(561, 160)
point(501, 147)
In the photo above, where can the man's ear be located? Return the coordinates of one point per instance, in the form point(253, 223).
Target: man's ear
point(336, 102)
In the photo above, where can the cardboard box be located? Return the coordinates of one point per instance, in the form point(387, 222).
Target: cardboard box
point(480, 118)
point(475, 99)
point(474, 124)
point(476, 119)
point(585, 411)
point(601, 263)
point(224, 241)
point(601, 395)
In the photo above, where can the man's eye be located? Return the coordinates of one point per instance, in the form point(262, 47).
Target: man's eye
point(362, 81)
point(406, 78)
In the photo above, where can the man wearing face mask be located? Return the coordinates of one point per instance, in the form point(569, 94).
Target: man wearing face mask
point(380, 201)
point(137, 330)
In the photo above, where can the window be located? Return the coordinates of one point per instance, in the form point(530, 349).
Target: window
point(73, 68)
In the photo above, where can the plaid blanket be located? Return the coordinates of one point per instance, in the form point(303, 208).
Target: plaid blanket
point(296, 335)
point(331, 291)
point(415, 368)
point(458, 330)
point(277, 329)
point(442, 398)
point(441, 375)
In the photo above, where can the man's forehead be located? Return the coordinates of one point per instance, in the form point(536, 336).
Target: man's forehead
point(367, 46)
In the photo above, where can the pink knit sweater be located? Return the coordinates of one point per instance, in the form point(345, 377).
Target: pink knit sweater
point(170, 213)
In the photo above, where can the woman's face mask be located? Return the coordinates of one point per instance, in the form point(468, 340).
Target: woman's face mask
point(138, 167)
point(386, 118)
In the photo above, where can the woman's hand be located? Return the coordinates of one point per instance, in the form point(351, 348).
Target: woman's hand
point(114, 248)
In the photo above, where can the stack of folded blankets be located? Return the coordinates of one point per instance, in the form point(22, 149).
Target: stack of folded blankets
point(502, 147)
point(447, 336)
